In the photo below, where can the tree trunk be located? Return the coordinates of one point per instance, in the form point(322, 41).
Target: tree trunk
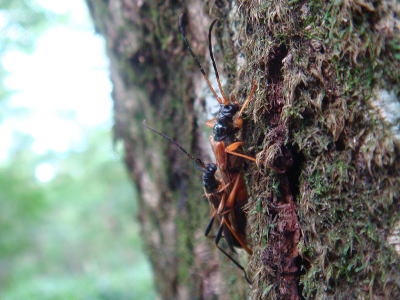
point(323, 209)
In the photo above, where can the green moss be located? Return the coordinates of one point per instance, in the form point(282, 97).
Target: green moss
point(346, 199)
point(316, 64)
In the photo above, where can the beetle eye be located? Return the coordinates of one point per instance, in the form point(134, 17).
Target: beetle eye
point(230, 109)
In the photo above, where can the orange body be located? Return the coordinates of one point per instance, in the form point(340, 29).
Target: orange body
point(228, 200)
point(230, 208)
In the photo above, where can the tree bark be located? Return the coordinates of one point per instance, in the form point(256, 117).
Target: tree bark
point(323, 208)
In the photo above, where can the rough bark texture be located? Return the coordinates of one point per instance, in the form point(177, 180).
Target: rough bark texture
point(323, 125)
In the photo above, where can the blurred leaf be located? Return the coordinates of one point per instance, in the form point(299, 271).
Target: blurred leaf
point(21, 23)
point(76, 235)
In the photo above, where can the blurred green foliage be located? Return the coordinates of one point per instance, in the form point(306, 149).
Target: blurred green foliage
point(75, 236)
point(21, 22)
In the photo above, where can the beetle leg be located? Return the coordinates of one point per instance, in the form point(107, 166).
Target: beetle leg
point(209, 226)
point(249, 97)
point(223, 188)
point(231, 150)
point(221, 206)
point(237, 237)
point(217, 239)
point(239, 120)
point(211, 123)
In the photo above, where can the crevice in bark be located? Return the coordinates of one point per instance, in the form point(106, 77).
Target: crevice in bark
point(275, 63)
point(293, 177)
point(281, 256)
point(295, 171)
point(335, 165)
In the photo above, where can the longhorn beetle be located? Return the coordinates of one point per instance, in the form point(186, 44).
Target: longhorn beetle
point(232, 220)
point(223, 141)
point(225, 125)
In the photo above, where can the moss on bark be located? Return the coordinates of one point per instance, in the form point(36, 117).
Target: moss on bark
point(319, 116)
point(333, 57)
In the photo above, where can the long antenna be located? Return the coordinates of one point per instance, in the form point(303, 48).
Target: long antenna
point(197, 160)
point(182, 30)
point(226, 101)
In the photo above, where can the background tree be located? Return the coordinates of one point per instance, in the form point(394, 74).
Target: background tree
point(66, 213)
point(325, 113)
